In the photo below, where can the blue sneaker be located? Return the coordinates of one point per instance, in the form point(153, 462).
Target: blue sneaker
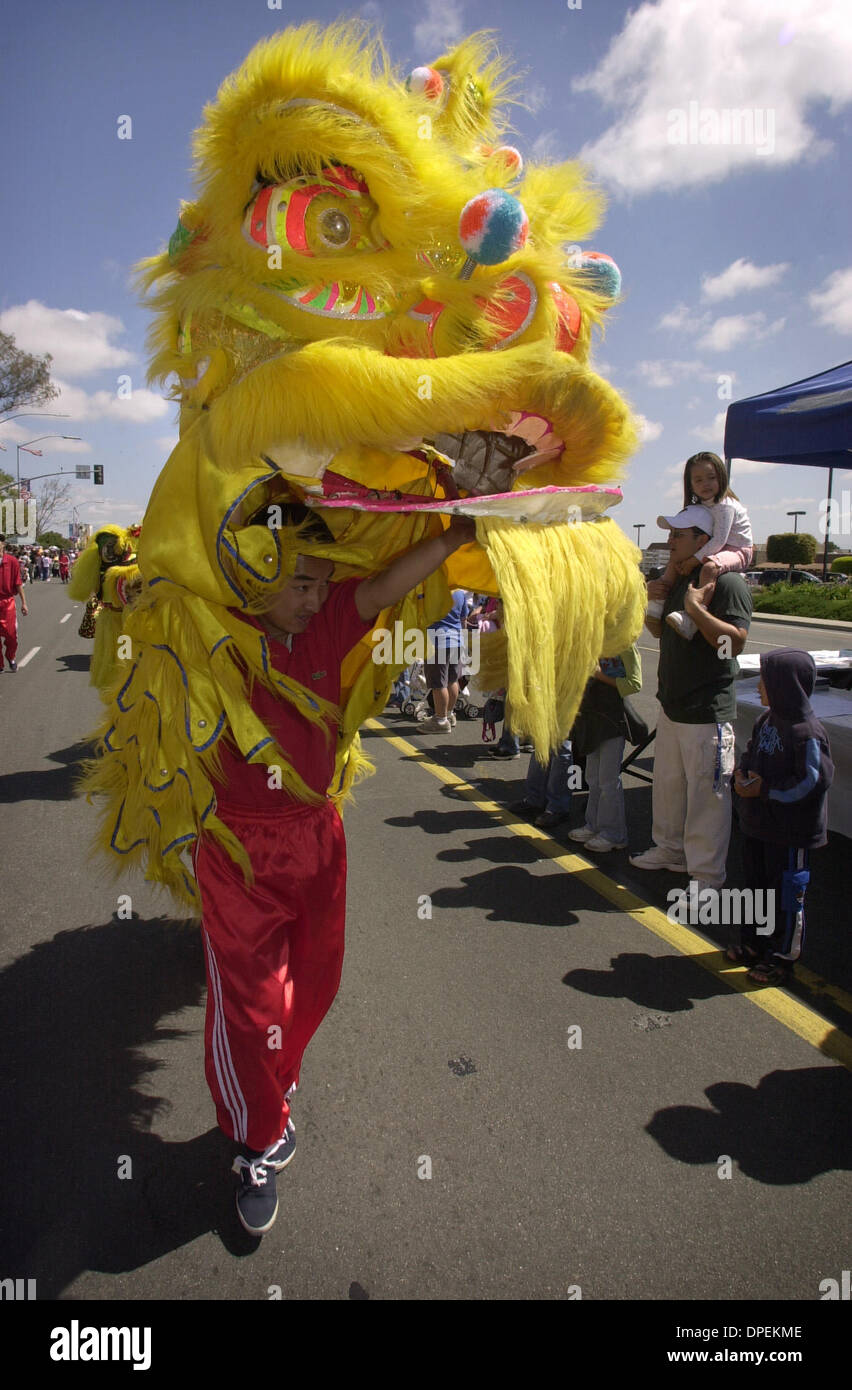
point(282, 1151)
point(257, 1200)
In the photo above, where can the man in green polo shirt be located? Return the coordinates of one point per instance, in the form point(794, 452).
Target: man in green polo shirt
point(694, 754)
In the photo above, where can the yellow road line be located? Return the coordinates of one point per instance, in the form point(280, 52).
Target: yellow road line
point(805, 1022)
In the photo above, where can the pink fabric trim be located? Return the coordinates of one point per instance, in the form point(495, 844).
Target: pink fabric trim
point(729, 561)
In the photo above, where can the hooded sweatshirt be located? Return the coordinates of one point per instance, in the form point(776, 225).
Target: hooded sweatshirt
point(789, 749)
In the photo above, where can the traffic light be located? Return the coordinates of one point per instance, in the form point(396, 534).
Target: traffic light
point(98, 471)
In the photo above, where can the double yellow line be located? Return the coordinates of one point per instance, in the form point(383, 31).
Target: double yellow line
point(800, 1019)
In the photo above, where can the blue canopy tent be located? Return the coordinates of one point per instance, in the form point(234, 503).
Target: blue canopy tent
point(808, 423)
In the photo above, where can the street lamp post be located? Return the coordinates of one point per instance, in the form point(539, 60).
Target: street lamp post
point(637, 527)
point(37, 440)
point(795, 516)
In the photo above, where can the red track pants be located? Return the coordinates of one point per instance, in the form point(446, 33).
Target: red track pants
point(8, 629)
point(274, 955)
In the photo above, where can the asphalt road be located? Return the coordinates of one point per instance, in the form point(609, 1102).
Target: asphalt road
point(527, 1093)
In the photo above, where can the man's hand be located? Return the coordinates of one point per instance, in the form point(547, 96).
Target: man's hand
point(696, 600)
point(656, 588)
point(462, 529)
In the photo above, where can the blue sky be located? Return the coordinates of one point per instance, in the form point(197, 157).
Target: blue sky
point(736, 253)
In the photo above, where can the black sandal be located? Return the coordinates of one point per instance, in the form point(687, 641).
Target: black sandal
point(742, 955)
point(769, 972)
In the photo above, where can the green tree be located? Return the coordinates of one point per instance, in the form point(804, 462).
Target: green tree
point(24, 379)
point(52, 538)
point(789, 548)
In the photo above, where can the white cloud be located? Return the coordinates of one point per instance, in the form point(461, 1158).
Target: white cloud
point(166, 442)
point(833, 302)
point(79, 343)
point(727, 332)
point(546, 147)
point(536, 97)
point(750, 466)
point(701, 90)
point(714, 431)
point(105, 509)
point(778, 502)
point(718, 335)
point(15, 433)
point(649, 430)
point(741, 277)
point(682, 319)
point(441, 26)
point(666, 373)
point(142, 407)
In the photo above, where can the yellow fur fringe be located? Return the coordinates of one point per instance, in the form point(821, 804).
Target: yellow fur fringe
point(570, 594)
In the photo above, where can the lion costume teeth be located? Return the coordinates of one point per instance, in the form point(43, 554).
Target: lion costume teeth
point(340, 338)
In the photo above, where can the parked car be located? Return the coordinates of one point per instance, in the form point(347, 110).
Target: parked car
point(782, 576)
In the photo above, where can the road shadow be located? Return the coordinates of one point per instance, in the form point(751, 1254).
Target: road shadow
point(443, 822)
point(51, 784)
point(500, 849)
point(74, 661)
point(787, 1130)
point(506, 894)
point(78, 1012)
point(668, 984)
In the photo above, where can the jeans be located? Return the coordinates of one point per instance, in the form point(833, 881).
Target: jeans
point(605, 807)
point(549, 787)
point(509, 742)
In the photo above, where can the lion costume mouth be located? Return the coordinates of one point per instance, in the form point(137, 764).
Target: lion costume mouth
point(477, 473)
point(489, 461)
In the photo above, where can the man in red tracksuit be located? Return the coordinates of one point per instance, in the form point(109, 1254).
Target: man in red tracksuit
point(274, 949)
point(11, 585)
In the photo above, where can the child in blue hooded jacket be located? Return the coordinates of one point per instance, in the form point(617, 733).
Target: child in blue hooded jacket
point(782, 786)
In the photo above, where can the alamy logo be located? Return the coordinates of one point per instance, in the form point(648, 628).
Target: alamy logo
point(17, 1290)
point(722, 907)
point(19, 518)
point(713, 125)
point(404, 646)
point(76, 1343)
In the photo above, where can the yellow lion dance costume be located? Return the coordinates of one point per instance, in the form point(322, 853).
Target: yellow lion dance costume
point(369, 309)
point(106, 577)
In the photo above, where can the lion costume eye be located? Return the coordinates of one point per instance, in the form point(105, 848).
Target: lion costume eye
point(314, 216)
point(334, 227)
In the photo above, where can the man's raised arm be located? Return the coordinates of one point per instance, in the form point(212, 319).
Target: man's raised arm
point(406, 572)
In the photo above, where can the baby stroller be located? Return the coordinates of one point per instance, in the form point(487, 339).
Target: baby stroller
point(468, 705)
point(410, 691)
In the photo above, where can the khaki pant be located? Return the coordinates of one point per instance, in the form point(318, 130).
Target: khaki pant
point(693, 767)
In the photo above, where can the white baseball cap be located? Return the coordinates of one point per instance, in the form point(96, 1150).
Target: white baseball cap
point(690, 516)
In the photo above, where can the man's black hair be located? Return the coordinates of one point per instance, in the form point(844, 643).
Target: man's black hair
point(311, 526)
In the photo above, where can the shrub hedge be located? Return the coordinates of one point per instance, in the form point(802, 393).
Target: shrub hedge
point(833, 601)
